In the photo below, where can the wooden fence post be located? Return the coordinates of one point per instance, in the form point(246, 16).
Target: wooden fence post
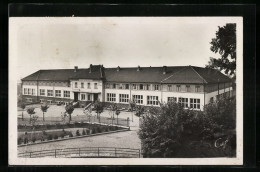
point(55, 153)
point(115, 153)
point(98, 151)
point(79, 152)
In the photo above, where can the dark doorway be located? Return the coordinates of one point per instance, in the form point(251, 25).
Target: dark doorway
point(76, 96)
point(95, 97)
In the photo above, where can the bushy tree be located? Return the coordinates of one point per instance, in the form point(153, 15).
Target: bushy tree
point(172, 131)
point(98, 107)
point(225, 45)
point(44, 109)
point(117, 113)
point(69, 110)
point(30, 111)
point(132, 105)
point(113, 108)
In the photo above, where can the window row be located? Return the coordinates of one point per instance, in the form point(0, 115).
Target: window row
point(66, 94)
point(194, 103)
point(180, 89)
point(29, 91)
point(83, 97)
point(82, 85)
point(133, 86)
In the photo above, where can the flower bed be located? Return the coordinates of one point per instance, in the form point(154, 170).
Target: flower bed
point(43, 133)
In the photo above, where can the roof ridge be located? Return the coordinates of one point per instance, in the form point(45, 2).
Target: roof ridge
point(185, 67)
point(198, 74)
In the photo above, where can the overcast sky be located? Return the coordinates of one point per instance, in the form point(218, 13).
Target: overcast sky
point(56, 43)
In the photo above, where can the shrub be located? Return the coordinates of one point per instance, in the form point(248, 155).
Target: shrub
point(19, 141)
point(77, 133)
point(107, 129)
point(88, 131)
point(99, 130)
point(55, 136)
point(62, 135)
point(94, 131)
point(83, 132)
point(33, 139)
point(25, 141)
point(44, 132)
point(49, 137)
point(70, 135)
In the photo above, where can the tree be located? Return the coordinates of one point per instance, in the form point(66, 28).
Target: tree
point(225, 45)
point(22, 106)
point(139, 111)
point(88, 112)
point(113, 108)
point(44, 108)
point(69, 110)
point(30, 111)
point(117, 113)
point(172, 131)
point(98, 107)
point(132, 105)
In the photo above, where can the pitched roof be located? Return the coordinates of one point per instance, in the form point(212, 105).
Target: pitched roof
point(174, 74)
point(50, 75)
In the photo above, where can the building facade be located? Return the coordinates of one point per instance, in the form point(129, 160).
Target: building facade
point(191, 86)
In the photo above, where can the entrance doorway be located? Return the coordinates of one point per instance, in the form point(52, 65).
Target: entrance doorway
point(95, 97)
point(76, 96)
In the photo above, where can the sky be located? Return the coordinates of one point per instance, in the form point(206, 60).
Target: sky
point(64, 42)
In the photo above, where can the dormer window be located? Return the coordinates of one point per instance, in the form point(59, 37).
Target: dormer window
point(82, 85)
point(178, 88)
point(187, 88)
point(76, 85)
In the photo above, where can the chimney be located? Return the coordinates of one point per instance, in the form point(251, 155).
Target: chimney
point(138, 68)
point(101, 71)
point(75, 68)
point(118, 68)
point(164, 70)
point(90, 68)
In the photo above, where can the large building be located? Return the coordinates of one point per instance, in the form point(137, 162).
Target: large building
point(191, 86)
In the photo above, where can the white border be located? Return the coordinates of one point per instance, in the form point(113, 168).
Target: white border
point(14, 160)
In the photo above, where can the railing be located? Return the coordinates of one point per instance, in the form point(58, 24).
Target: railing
point(84, 152)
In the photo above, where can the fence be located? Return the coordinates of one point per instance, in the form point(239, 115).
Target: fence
point(84, 152)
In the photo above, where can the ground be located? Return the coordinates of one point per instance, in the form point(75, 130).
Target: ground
point(127, 139)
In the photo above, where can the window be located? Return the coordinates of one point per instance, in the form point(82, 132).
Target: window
point(152, 100)
point(120, 86)
point(178, 88)
point(49, 93)
point(187, 88)
point(141, 86)
point(29, 91)
point(28, 99)
point(138, 99)
point(57, 93)
point(95, 85)
point(107, 85)
point(49, 101)
point(169, 88)
point(174, 99)
point(88, 85)
point(156, 87)
point(114, 86)
point(89, 97)
point(83, 96)
point(41, 100)
point(33, 91)
point(148, 86)
point(42, 92)
point(25, 91)
point(126, 86)
point(197, 88)
point(123, 98)
point(82, 85)
point(76, 85)
point(66, 94)
point(134, 86)
point(195, 103)
point(183, 102)
point(111, 97)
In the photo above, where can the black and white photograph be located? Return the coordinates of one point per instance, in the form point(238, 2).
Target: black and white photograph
point(126, 90)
